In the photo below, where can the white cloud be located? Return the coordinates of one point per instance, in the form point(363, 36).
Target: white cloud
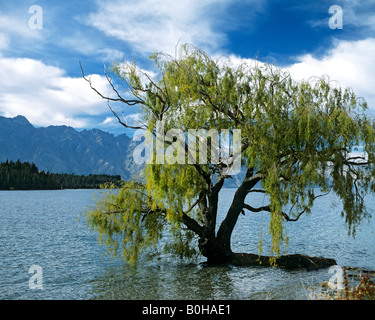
point(357, 13)
point(18, 28)
point(158, 25)
point(110, 55)
point(46, 96)
point(235, 61)
point(109, 121)
point(351, 63)
point(87, 46)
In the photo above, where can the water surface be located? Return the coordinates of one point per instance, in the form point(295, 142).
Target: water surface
point(42, 228)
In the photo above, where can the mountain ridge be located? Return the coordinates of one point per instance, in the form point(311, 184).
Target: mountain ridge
point(63, 149)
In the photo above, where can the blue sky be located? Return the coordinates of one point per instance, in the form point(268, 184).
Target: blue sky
point(40, 76)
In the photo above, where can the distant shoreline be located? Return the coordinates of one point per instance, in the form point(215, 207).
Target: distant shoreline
point(17, 176)
point(51, 189)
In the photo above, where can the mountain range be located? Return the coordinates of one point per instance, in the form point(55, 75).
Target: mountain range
point(63, 149)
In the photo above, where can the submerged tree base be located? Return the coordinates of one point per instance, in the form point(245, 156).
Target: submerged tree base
point(289, 262)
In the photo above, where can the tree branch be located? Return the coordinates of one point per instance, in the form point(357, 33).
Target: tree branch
point(286, 216)
point(252, 209)
point(130, 102)
point(192, 224)
point(143, 127)
point(258, 190)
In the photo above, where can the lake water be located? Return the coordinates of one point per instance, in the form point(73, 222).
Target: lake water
point(42, 228)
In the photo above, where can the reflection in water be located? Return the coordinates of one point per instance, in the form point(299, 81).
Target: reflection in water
point(189, 281)
point(200, 282)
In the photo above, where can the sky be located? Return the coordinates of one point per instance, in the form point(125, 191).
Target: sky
point(42, 43)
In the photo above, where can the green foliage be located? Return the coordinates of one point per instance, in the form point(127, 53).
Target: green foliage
point(128, 223)
point(297, 137)
point(117, 218)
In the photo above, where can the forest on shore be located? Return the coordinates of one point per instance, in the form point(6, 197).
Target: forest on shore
point(26, 176)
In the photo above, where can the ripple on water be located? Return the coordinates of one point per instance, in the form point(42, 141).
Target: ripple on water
point(42, 227)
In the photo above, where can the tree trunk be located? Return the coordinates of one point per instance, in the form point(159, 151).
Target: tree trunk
point(224, 233)
point(217, 248)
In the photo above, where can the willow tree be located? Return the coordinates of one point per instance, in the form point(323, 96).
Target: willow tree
point(297, 141)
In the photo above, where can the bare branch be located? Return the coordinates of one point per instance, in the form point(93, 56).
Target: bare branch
point(285, 216)
point(357, 163)
point(192, 224)
point(130, 102)
point(250, 208)
point(143, 127)
point(258, 190)
point(355, 158)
